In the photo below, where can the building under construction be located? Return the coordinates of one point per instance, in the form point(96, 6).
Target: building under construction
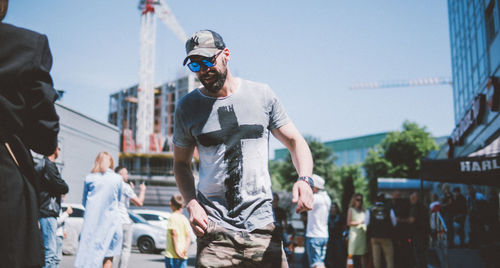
point(155, 166)
point(144, 113)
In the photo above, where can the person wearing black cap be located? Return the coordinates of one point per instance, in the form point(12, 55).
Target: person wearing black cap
point(228, 120)
point(28, 121)
point(380, 221)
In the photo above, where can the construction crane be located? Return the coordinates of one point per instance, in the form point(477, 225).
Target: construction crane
point(404, 83)
point(150, 9)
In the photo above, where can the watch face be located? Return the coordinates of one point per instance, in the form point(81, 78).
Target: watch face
point(311, 182)
point(308, 180)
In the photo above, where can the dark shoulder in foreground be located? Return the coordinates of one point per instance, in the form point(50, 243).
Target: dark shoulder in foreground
point(18, 34)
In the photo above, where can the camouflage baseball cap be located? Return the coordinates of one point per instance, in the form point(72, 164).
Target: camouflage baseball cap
point(204, 43)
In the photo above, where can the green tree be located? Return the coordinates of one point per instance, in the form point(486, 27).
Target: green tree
point(278, 183)
point(375, 166)
point(285, 173)
point(351, 181)
point(398, 155)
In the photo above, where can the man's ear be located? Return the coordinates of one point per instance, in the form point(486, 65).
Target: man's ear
point(227, 54)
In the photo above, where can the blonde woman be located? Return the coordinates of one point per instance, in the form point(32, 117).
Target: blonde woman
point(357, 231)
point(101, 236)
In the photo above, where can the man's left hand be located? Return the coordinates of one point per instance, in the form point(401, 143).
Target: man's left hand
point(302, 195)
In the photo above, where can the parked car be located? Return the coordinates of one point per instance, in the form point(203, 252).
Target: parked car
point(72, 227)
point(154, 217)
point(147, 237)
point(159, 218)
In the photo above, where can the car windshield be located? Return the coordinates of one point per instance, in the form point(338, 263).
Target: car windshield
point(136, 218)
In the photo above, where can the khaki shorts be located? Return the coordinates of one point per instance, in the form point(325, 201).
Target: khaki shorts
point(220, 247)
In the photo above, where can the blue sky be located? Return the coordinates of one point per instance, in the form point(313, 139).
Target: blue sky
point(309, 52)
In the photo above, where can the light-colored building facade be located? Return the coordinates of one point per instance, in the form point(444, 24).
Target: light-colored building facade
point(81, 138)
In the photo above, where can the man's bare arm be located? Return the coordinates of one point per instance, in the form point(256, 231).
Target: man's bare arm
point(289, 136)
point(139, 200)
point(185, 182)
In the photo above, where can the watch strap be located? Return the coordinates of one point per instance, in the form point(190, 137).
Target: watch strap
point(307, 179)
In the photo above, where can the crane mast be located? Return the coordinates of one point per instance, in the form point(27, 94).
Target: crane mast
point(404, 83)
point(145, 93)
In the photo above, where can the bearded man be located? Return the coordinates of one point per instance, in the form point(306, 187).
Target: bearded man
point(228, 120)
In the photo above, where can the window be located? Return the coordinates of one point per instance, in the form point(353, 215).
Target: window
point(150, 217)
point(77, 213)
point(492, 20)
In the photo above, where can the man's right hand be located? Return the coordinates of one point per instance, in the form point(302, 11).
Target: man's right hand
point(142, 187)
point(197, 217)
point(69, 210)
point(302, 195)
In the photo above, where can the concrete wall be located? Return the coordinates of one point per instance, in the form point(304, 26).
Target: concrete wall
point(81, 138)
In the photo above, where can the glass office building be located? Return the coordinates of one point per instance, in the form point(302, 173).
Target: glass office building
point(350, 151)
point(475, 55)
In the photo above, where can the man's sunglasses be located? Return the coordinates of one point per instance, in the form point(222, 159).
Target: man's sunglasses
point(195, 66)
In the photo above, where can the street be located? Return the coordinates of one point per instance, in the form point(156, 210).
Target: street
point(138, 259)
point(141, 260)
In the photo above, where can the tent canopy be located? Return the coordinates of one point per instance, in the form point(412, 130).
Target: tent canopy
point(481, 170)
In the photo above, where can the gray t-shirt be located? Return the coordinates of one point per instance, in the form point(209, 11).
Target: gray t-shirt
point(232, 135)
point(127, 194)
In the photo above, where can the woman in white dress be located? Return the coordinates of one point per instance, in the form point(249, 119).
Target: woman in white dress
point(357, 246)
point(101, 235)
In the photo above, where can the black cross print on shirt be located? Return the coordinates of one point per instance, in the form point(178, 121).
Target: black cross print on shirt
point(231, 134)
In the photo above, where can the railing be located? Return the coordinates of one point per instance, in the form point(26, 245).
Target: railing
point(439, 236)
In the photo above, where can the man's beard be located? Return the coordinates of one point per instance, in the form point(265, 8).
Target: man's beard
point(220, 79)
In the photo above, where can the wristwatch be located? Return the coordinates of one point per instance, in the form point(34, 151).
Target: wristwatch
point(307, 179)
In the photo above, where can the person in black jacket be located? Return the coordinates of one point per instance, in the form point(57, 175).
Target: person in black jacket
point(28, 120)
point(51, 188)
point(380, 221)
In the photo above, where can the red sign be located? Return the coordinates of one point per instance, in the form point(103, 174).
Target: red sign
point(493, 93)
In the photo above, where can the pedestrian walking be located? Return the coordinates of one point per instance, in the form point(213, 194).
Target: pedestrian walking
point(381, 220)
point(493, 210)
point(419, 231)
point(281, 224)
point(303, 219)
point(317, 224)
point(447, 211)
point(101, 234)
point(335, 250)
point(460, 213)
point(435, 205)
point(357, 246)
point(228, 120)
point(178, 236)
point(128, 195)
point(402, 249)
point(52, 186)
point(60, 233)
point(476, 213)
point(28, 121)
